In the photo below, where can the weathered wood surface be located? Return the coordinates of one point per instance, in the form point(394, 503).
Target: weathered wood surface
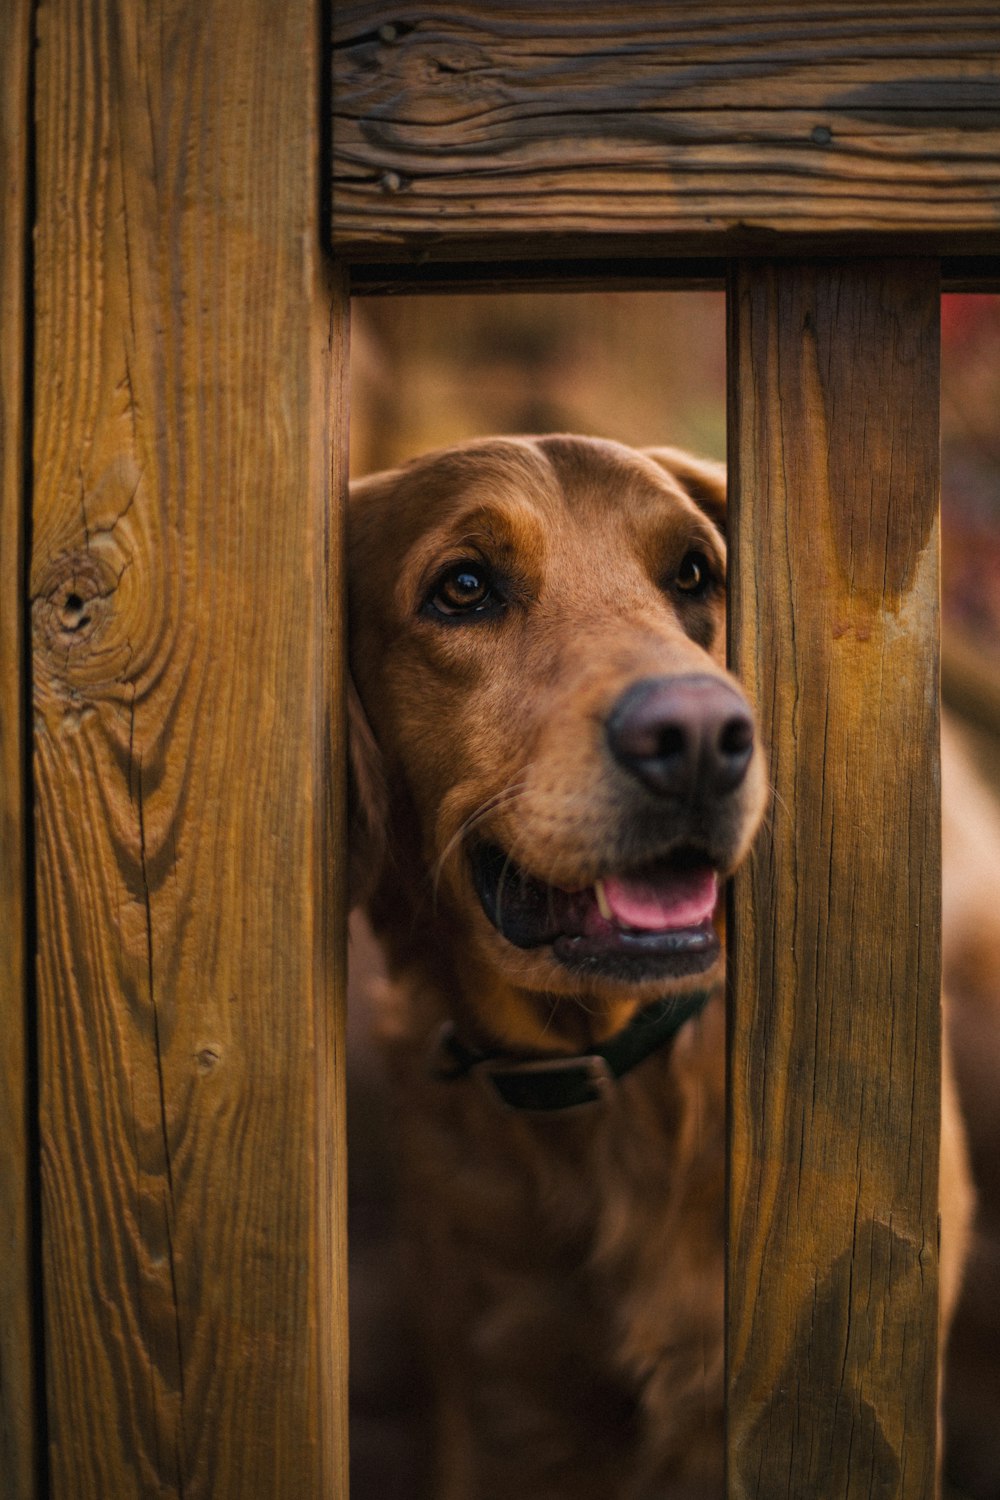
point(835, 941)
point(191, 1117)
point(18, 1414)
point(469, 127)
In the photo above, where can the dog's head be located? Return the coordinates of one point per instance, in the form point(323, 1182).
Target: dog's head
point(547, 740)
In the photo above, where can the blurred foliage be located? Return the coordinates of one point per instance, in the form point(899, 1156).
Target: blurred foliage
point(641, 367)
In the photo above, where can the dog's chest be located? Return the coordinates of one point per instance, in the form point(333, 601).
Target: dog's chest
point(590, 1242)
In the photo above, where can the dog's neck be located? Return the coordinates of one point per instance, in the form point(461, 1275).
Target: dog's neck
point(549, 1085)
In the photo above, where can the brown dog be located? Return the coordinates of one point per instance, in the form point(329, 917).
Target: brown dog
point(553, 775)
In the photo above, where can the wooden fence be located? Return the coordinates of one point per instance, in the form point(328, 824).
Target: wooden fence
point(181, 234)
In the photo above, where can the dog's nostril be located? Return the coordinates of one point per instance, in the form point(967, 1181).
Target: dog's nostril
point(734, 748)
point(671, 741)
point(736, 737)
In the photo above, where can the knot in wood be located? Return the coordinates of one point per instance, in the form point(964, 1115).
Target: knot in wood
point(82, 645)
point(73, 604)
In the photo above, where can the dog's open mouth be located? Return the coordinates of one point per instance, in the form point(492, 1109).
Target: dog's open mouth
point(656, 921)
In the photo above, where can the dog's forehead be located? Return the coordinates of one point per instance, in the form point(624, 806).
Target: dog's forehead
point(596, 470)
point(563, 474)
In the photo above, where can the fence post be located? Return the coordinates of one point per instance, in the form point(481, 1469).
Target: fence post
point(835, 924)
point(19, 1425)
point(185, 697)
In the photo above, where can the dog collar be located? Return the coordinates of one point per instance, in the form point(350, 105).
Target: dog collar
point(545, 1085)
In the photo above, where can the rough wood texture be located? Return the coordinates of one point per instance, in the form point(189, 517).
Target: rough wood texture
point(572, 122)
point(18, 1416)
point(191, 1115)
point(835, 945)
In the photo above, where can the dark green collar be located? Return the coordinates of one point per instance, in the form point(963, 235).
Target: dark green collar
point(554, 1083)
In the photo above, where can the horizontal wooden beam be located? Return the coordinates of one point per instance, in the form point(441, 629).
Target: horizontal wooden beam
point(578, 127)
point(621, 273)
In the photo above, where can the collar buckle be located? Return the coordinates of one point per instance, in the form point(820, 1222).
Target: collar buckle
point(546, 1085)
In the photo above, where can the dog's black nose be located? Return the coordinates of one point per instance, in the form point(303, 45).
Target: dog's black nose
point(682, 736)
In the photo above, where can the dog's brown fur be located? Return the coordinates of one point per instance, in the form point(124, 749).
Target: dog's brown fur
point(568, 1269)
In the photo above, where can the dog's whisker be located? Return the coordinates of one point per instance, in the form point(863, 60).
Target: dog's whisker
point(507, 794)
point(503, 876)
point(553, 1007)
point(776, 797)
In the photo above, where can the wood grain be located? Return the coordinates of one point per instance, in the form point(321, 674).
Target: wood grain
point(19, 1417)
point(191, 1113)
point(835, 942)
point(678, 128)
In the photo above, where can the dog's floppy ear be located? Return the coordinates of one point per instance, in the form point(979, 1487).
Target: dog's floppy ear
point(367, 802)
point(704, 480)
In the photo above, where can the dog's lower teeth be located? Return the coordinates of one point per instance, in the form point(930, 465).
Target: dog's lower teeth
point(602, 901)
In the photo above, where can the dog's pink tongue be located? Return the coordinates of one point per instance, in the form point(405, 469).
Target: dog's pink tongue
point(663, 903)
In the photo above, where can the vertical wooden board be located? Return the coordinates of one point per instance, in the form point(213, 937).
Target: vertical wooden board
point(334, 457)
point(17, 1285)
point(835, 940)
point(184, 699)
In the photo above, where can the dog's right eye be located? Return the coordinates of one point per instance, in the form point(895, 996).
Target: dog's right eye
point(466, 588)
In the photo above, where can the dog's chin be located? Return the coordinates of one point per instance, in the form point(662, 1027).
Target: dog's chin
point(652, 924)
point(638, 959)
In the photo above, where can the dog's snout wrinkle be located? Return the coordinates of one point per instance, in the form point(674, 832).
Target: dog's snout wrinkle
point(682, 736)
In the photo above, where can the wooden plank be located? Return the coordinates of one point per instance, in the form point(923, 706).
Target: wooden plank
point(618, 273)
point(333, 459)
point(581, 126)
point(19, 1419)
point(835, 940)
point(191, 1114)
point(614, 273)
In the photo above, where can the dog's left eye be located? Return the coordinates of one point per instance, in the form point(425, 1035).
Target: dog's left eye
point(466, 588)
point(694, 575)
